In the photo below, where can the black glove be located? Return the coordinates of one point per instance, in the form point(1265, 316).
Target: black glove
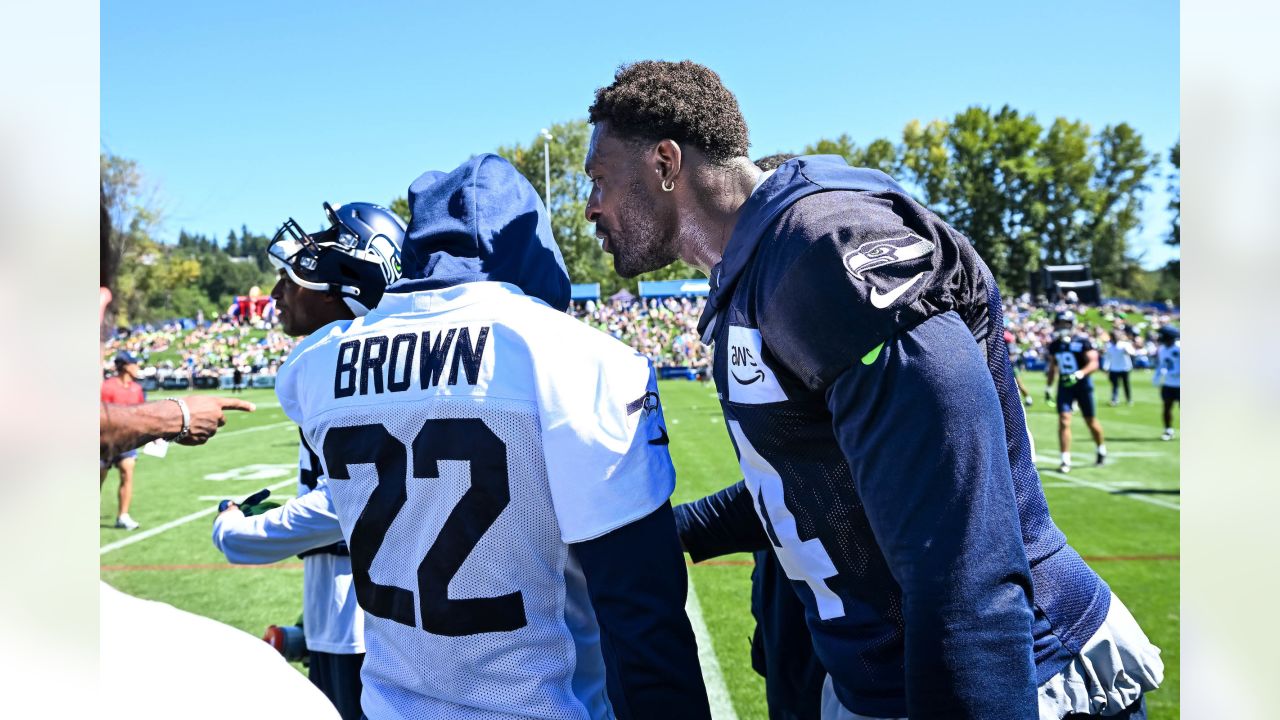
point(255, 504)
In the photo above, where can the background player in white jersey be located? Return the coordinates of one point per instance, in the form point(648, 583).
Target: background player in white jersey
point(501, 474)
point(1118, 362)
point(337, 274)
point(1168, 375)
point(1073, 360)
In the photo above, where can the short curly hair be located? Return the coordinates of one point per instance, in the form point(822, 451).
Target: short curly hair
point(773, 162)
point(684, 101)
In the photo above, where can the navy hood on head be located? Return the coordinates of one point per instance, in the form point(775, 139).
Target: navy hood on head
point(483, 221)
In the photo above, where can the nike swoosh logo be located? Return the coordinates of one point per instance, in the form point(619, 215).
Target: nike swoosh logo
point(661, 439)
point(758, 376)
point(884, 300)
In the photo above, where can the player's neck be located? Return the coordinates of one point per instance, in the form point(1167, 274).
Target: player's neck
point(721, 192)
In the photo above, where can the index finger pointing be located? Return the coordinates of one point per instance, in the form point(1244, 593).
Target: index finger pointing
point(235, 404)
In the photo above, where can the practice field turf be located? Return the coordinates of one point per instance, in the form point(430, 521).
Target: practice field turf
point(1122, 517)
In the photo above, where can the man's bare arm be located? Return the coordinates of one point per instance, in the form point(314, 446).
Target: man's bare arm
point(125, 427)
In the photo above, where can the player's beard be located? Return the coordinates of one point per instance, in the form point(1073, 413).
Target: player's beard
point(646, 240)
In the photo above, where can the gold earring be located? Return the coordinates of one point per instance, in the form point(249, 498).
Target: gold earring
point(668, 186)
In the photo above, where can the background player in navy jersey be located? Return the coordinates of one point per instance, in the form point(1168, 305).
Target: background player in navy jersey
point(866, 387)
point(1072, 360)
point(337, 274)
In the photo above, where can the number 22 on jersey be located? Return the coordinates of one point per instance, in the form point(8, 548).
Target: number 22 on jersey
point(468, 439)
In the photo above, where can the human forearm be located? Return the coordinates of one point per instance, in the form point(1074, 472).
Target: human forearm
point(1091, 365)
point(125, 427)
point(302, 524)
point(719, 524)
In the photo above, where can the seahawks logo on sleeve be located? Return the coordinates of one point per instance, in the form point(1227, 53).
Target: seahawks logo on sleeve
point(887, 251)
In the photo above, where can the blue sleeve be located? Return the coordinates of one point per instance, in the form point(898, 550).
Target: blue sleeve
point(720, 524)
point(921, 428)
point(637, 583)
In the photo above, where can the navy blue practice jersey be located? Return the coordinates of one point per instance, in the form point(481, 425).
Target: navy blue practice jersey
point(1071, 353)
point(886, 453)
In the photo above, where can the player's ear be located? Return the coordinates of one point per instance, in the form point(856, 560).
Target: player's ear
point(668, 160)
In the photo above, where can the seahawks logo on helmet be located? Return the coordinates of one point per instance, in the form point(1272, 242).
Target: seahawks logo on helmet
point(357, 257)
point(878, 253)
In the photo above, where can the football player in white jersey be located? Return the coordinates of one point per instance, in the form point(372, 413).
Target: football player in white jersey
point(501, 475)
point(1168, 374)
point(337, 274)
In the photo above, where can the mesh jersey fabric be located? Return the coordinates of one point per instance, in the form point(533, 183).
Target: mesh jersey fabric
point(1169, 365)
point(331, 619)
point(791, 428)
point(540, 419)
point(1071, 354)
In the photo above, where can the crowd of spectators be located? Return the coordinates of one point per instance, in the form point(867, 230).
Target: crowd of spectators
point(664, 330)
point(1031, 325)
point(173, 355)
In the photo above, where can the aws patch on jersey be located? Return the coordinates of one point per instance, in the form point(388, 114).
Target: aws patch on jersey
point(751, 381)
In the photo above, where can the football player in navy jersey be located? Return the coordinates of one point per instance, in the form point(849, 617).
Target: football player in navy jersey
point(781, 650)
point(1072, 361)
point(865, 384)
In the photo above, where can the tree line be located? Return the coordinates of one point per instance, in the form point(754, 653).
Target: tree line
point(1026, 195)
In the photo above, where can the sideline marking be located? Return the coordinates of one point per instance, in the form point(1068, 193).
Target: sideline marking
point(1112, 490)
point(717, 693)
point(152, 532)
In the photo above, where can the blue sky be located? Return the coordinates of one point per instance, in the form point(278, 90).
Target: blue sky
point(245, 113)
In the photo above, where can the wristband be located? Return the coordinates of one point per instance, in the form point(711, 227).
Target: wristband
point(186, 419)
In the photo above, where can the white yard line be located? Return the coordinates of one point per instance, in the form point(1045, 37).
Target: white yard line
point(1044, 457)
point(259, 428)
point(1111, 489)
point(135, 537)
point(717, 692)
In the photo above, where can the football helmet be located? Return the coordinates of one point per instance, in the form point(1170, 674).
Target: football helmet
point(357, 256)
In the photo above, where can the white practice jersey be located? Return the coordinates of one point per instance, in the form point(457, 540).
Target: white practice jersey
point(331, 619)
point(1118, 357)
point(1169, 365)
point(470, 436)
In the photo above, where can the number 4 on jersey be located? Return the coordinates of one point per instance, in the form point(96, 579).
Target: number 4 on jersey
point(466, 439)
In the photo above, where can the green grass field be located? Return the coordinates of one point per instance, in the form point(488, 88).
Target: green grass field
point(1122, 517)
